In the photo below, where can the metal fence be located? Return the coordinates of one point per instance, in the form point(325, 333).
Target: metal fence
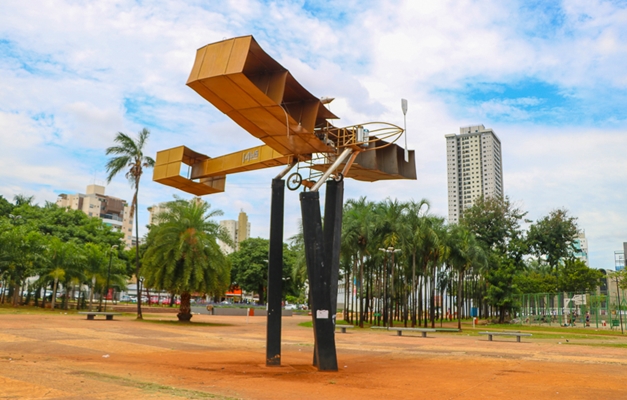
point(573, 309)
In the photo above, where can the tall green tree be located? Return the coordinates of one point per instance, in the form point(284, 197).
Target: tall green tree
point(496, 225)
point(19, 249)
point(536, 278)
point(182, 254)
point(576, 276)
point(250, 268)
point(128, 155)
point(5, 207)
point(551, 238)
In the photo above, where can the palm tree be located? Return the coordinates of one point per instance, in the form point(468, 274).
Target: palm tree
point(63, 262)
point(129, 153)
point(182, 254)
point(465, 253)
point(390, 218)
point(357, 229)
point(413, 239)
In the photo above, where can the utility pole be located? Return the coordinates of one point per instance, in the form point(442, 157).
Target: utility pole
point(620, 315)
point(115, 246)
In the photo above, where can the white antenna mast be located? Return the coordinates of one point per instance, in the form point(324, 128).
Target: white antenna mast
point(404, 107)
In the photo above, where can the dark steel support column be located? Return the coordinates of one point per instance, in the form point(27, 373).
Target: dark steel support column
point(275, 271)
point(333, 209)
point(319, 272)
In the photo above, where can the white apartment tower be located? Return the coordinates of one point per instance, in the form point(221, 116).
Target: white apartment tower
point(475, 168)
point(238, 231)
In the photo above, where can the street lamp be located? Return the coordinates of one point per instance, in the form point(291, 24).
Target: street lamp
point(390, 250)
point(620, 314)
point(115, 246)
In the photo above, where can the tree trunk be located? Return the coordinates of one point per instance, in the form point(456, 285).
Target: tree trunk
point(413, 289)
point(459, 301)
point(37, 294)
point(185, 310)
point(346, 289)
point(16, 293)
point(139, 295)
point(432, 302)
point(261, 295)
point(91, 293)
point(66, 304)
point(361, 292)
point(43, 298)
point(54, 293)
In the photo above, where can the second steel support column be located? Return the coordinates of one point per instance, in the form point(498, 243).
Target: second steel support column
point(322, 255)
point(333, 208)
point(275, 270)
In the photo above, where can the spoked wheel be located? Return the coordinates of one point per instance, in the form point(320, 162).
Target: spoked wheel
point(294, 181)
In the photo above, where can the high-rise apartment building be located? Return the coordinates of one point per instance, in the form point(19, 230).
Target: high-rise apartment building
point(238, 231)
point(580, 245)
point(112, 211)
point(475, 168)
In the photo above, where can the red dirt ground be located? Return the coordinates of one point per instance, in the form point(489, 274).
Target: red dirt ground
point(59, 356)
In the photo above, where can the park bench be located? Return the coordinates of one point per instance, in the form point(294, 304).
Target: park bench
point(92, 314)
point(344, 327)
point(517, 334)
point(423, 331)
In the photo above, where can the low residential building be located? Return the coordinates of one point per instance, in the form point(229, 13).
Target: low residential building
point(113, 211)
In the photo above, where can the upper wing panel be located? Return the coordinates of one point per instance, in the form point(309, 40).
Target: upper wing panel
point(260, 95)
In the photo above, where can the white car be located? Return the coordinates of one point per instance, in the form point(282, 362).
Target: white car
point(290, 307)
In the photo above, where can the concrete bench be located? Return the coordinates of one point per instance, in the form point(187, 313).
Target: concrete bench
point(446, 330)
point(517, 334)
point(344, 327)
point(92, 314)
point(423, 331)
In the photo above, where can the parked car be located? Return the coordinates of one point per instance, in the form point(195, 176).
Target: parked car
point(291, 307)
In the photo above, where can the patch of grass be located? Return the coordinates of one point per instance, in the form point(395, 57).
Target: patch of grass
point(152, 387)
point(8, 309)
point(177, 323)
point(557, 330)
point(616, 345)
point(309, 324)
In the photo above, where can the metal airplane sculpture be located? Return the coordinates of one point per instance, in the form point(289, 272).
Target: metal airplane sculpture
point(260, 95)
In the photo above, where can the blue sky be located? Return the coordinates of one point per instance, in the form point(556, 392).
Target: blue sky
point(549, 77)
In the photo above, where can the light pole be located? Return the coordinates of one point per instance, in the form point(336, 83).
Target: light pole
point(620, 315)
point(115, 246)
point(391, 250)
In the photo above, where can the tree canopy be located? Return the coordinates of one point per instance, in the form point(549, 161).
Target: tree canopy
point(250, 268)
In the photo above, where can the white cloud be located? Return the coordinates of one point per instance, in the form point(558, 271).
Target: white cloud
point(73, 74)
